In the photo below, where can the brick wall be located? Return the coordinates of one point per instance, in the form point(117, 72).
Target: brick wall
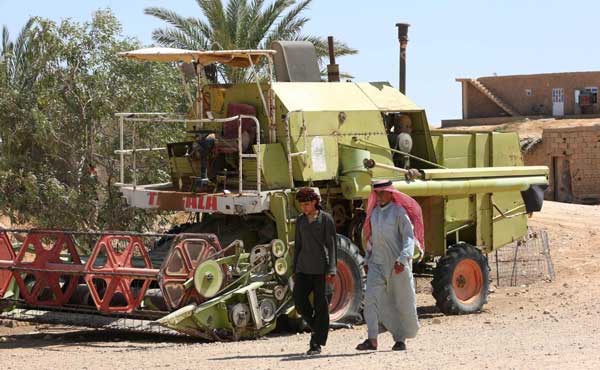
point(580, 146)
point(479, 105)
point(512, 90)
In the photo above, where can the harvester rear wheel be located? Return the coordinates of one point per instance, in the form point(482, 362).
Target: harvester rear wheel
point(461, 280)
point(348, 285)
point(355, 229)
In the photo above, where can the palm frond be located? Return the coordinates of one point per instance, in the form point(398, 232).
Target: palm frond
point(6, 45)
point(18, 54)
point(202, 26)
point(166, 15)
point(235, 11)
point(255, 9)
point(192, 30)
point(240, 24)
point(265, 21)
point(179, 39)
point(196, 29)
point(22, 41)
point(339, 48)
point(246, 22)
point(289, 25)
point(215, 14)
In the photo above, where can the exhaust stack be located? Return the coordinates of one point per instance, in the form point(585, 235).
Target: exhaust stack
point(403, 39)
point(333, 70)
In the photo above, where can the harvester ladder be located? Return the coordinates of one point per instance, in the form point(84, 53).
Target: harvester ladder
point(255, 156)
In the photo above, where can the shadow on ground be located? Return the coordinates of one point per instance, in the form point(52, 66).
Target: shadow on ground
point(60, 337)
point(428, 312)
point(289, 356)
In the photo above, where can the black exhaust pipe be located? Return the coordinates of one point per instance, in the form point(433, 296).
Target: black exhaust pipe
point(333, 70)
point(403, 39)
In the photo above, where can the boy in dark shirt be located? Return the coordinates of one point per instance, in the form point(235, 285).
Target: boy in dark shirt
point(314, 265)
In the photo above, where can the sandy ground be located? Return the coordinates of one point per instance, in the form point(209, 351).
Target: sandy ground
point(540, 326)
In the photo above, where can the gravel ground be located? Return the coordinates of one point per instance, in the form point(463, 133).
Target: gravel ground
point(540, 326)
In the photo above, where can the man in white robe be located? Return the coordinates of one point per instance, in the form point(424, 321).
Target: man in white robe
point(390, 301)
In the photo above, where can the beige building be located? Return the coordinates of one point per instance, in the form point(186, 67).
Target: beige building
point(550, 94)
point(573, 156)
point(569, 145)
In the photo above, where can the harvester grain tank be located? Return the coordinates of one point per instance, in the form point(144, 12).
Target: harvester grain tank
point(249, 146)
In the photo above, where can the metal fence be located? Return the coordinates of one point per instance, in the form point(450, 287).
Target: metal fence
point(524, 262)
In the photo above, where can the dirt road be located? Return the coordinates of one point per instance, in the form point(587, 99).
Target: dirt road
point(540, 326)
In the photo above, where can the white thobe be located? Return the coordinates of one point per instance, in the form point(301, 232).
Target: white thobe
point(390, 302)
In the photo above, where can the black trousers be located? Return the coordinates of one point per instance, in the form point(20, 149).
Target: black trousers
point(315, 314)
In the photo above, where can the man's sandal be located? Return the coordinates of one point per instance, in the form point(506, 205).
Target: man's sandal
point(366, 346)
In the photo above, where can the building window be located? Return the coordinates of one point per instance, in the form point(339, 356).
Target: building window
point(528, 92)
point(593, 92)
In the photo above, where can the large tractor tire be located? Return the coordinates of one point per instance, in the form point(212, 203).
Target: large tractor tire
point(355, 229)
point(348, 286)
point(461, 280)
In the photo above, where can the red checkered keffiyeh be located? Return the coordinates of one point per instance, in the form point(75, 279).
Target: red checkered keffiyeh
point(413, 209)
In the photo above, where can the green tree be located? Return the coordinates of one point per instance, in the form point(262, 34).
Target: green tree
point(239, 24)
point(60, 85)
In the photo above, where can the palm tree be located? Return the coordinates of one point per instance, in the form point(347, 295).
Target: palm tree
point(240, 24)
point(17, 56)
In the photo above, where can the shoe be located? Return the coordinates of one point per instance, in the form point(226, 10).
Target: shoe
point(366, 346)
point(314, 349)
point(399, 346)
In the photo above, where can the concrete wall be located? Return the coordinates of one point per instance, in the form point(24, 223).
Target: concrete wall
point(512, 90)
point(478, 105)
point(573, 156)
point(488, 121)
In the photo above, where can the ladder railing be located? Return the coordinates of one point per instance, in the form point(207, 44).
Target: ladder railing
point(164, 118)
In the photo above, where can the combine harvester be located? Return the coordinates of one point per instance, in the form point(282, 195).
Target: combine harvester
point(227, 275)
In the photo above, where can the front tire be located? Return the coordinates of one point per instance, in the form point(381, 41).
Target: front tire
point(461, 280)
point(348, 286)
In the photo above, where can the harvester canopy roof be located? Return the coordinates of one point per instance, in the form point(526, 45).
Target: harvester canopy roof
point(387, 98)
point(342, 96)
point(234, 58)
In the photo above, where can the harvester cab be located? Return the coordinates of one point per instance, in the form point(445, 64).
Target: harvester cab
point(225, 130)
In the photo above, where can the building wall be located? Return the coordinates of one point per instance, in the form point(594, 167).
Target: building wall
point(513, 90)
point(573, 156)
point(487, 121)
point(479, 105)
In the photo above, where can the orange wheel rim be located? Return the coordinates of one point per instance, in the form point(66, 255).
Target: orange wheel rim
point(343, 291)
point(467, 280)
